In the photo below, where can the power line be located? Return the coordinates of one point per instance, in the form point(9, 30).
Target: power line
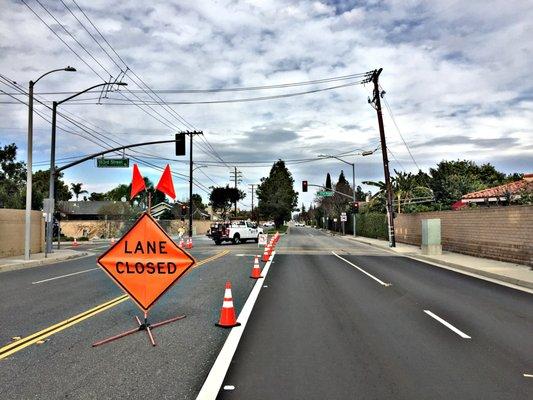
point(400, 133)
point(237, 89)
point(120, 102)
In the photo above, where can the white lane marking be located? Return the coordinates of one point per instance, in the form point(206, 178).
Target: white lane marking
point(448, 325)
point(310, 235)
point(244, 255)
point(362, 270)
point(64, 276)
point(528, 375)
point(218, 372)
point(229, 387)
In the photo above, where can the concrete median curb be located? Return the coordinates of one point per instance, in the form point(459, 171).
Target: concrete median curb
point(4, 267)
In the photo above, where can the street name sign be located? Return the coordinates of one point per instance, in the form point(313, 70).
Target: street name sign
point(344, 218)
point(325, 193)
point(112, 162)
point(145, 262)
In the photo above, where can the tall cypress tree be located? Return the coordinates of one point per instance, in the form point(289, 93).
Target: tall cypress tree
point(328, 182)
point(276, 194)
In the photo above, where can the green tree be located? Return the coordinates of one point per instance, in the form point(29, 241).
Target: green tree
point(276, 194)
point(328, 181)
point(77, 189)
point(41, 184)
point(124, 190)
point(341, 203)
point(453, 179)
point(12, 178)
point(222, 198)
point(97, 196)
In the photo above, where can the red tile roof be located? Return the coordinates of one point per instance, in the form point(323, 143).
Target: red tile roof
point(512, 188)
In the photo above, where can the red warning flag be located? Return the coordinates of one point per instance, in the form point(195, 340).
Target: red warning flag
point(165, 184)
point(137, 182)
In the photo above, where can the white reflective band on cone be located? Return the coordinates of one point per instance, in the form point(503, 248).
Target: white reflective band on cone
point(227, 304)
point(227, 293)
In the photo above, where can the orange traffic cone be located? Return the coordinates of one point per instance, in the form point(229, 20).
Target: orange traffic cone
point(227, 314)
point(180, 245)
point(190, 243)
point(256, 270)
point(265, 255)
point(75, 243)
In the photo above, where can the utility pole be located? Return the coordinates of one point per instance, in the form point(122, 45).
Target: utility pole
point(377, 105)
point(236, 175)
point(191, 134)
point(252, 186)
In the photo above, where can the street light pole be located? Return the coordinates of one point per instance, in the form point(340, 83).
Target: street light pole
point(53, 172)
point(29, 163)
point(363, 153)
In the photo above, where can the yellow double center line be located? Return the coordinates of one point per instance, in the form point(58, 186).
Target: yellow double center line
point(11, 348)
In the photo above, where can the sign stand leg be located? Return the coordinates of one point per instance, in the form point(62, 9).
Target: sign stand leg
point(143, 326)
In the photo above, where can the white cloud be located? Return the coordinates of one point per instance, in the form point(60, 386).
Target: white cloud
point(451, 69)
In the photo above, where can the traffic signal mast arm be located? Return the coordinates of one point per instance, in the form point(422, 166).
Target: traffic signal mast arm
point(331, 190)
point(57, 170)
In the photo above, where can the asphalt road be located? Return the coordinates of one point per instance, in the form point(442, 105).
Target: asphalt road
point(362, 324)
point(323, 329)
point(66, 366)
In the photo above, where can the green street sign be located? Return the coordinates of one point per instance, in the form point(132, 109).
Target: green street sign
point(112, 162)
point(325, 193)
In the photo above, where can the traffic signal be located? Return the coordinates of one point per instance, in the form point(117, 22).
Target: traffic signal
point(183, 212)
point(356, 207)
point(180, 144)
point(304, 186)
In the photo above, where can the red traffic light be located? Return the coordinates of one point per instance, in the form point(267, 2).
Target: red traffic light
point(304, 186)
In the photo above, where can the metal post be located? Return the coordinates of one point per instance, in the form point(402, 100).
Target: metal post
point(235, 204)
point(29, 176)
point(51, 190)
point(190, 184)
point(353, 183)
point(390, 211)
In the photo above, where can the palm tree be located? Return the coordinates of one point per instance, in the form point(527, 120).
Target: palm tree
point(406, 188)
point(77, 190)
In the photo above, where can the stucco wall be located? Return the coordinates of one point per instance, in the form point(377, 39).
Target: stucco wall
point(12, 232)
point(108, 229)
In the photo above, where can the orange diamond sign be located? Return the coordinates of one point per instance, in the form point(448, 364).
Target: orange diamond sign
point(145, 262)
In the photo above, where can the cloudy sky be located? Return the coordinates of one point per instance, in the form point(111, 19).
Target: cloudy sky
point(457, 77)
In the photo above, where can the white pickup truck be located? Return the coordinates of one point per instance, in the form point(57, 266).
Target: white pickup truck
point(234, 231)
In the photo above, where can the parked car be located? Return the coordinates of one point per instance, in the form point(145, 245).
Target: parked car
point(269, 224)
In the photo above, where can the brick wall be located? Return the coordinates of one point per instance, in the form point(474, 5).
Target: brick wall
point(12, 224)
point(500, 233)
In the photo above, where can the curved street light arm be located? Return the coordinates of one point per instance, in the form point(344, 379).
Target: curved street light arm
point(92, 87)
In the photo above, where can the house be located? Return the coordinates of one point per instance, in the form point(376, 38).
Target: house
point(92, 210)
point(501, 194)
point(159, 209)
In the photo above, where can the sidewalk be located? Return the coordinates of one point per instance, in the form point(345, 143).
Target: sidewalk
point(516, 274)
point(18, 262)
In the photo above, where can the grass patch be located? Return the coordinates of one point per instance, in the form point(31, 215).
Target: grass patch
point(281, 229)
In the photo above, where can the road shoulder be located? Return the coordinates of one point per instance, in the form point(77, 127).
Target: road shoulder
point(513, 275)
